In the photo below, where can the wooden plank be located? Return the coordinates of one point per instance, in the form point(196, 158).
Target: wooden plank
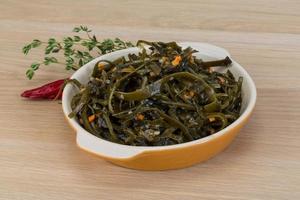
point(38, 153)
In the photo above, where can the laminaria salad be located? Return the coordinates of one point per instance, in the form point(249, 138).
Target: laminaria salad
point(163, 95)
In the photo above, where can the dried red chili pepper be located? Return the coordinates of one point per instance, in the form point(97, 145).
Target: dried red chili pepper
point(51, 90)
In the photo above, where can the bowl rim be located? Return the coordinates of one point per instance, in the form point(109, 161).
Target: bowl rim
point(249, 108)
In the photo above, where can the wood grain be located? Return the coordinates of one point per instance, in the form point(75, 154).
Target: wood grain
point(38, 155)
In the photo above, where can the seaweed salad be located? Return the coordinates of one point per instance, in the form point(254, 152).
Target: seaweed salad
point(163, 95)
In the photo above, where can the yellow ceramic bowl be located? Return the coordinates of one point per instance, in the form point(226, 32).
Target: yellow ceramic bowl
point(164, 157)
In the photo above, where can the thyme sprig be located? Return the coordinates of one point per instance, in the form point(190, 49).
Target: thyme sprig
point(77, 50)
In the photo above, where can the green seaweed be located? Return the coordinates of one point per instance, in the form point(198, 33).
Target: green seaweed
point(164, 95)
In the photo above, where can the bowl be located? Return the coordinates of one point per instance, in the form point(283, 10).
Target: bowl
point(162, 157)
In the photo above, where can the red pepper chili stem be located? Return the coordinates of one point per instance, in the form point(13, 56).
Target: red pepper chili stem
point(59, 94)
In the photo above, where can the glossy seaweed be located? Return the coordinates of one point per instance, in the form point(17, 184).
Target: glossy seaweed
point(162, 96)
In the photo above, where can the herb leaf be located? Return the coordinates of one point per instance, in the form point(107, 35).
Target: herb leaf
point(35, 66)
point(76, 29)
point(35, 43)
point(29, 73)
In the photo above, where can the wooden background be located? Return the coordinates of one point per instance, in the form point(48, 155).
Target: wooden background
point(38, 155)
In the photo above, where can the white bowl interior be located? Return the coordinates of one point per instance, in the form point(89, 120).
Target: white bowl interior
point(109, 149)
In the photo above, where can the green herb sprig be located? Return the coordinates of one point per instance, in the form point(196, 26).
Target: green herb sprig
point(71, 48)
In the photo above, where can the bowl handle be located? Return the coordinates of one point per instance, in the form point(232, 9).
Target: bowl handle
point(106, 149)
